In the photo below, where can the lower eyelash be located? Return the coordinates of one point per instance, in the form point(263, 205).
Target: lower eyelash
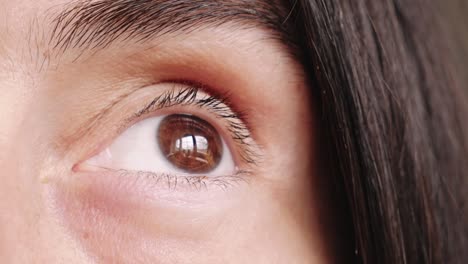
point(188, 182)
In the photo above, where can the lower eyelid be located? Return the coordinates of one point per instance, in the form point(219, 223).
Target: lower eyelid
point(143, 188)
point(173, 182)
point(191, 182)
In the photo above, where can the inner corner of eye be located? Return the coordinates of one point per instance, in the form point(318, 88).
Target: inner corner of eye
point(97, 162)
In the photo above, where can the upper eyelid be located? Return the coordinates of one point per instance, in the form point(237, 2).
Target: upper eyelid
point(247, 149)
point(188, 96)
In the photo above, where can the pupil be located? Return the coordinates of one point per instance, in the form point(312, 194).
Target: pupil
point(190, 143)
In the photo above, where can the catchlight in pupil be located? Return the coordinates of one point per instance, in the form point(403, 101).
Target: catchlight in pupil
point(190, 143)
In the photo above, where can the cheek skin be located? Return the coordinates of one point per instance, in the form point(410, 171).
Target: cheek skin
point(104, 235)
point(120, 222)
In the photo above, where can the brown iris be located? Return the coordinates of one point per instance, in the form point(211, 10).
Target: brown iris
point(190, 143)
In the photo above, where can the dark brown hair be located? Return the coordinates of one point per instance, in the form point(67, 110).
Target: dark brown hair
point(393, 110)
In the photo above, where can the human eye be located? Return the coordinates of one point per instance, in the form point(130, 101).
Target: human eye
point(184, 137)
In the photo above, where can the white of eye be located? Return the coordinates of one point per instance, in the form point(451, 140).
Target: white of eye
point(137, 149)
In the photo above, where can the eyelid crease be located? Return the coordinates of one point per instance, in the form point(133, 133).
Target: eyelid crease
point(219, 106)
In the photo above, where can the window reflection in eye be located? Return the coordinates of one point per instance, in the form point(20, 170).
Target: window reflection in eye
point(181, 143)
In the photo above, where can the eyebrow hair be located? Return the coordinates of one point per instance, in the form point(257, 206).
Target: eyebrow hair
point(98, 24)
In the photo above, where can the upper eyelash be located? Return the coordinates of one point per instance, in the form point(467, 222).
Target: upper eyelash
point(216, 105)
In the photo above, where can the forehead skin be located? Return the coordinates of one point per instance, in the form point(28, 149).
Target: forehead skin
point(56, 216)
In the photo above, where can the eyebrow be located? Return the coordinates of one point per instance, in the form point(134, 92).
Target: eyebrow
point(98, 24)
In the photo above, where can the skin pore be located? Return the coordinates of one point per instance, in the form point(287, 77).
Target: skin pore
point(59, 109)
